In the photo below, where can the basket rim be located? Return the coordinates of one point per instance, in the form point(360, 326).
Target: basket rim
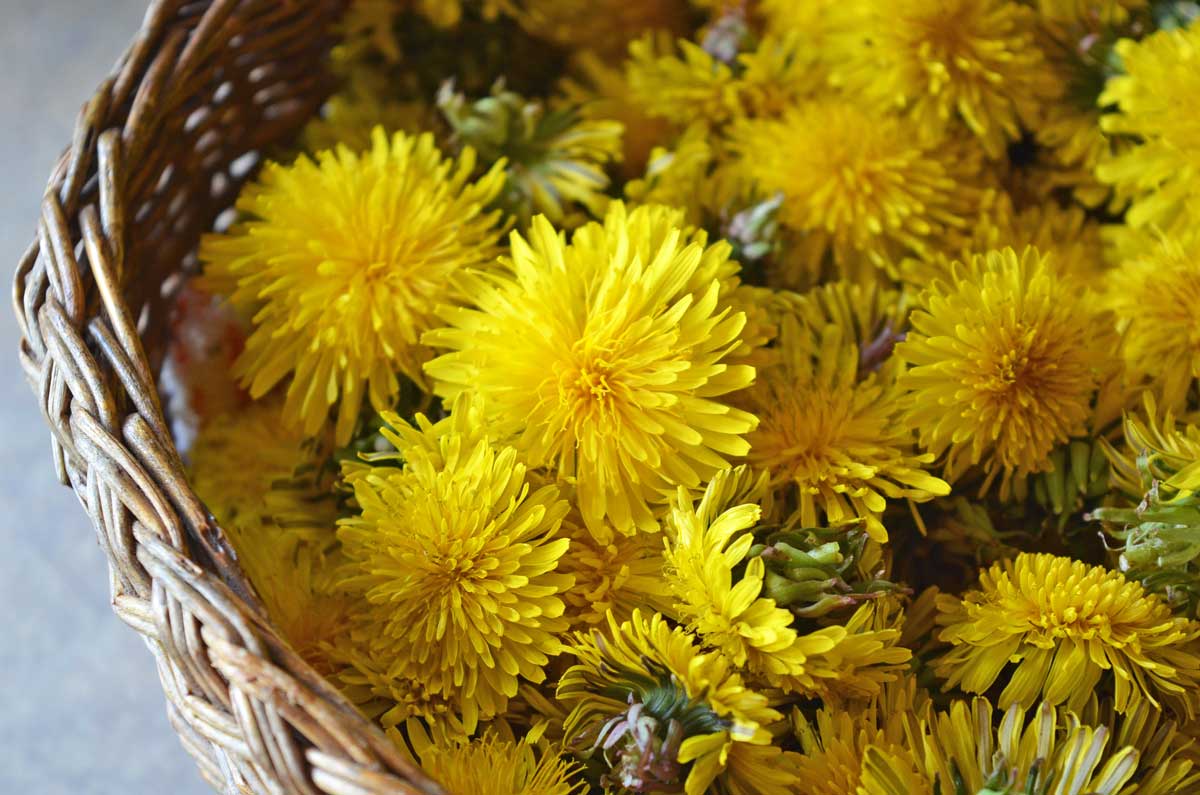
point(252, 713)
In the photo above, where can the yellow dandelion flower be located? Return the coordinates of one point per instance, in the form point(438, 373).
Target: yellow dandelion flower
point(298, 585)
point(669, 716)
point(340, 305)
point(685, 83)
point(254, 471)
point(1155, 448)
point(1072, 241)
point(777, 74)
point(1064, 232)
point(263, 482)
point(1004, 361)
point(765, 308)
point(1168, 758)
point(1159, 173)
point(1107, 12)
point(366, 677)
point(606, 358)
point(495, 766)
point(605, 26)
point(351, 115)
point(813, 22)
point(870, 656)
point(855, 182)
point(456, 556)
point(1042, 750)
point(1057, 751)
point(1067, 627)
point(872, 317)
point(1155, 294)
point(687, 177)
point(613, 573)
point(1046, 750)
point(942, 60)
point(836, 745)
point(832, 440)
point(682, 82)
point(601, 92)
point(706, 544)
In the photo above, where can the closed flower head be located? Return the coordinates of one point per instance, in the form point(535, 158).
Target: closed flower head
point(722, 594)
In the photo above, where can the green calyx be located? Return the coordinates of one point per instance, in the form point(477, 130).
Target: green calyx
point(554, 158)
point(754, 231)
point(1160, 544)
point(815, 571)
point(1078, 473)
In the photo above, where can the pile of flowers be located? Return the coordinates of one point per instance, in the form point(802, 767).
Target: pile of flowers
point(729, 396)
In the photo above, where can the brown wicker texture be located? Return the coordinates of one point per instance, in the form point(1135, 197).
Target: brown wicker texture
point(158, 154)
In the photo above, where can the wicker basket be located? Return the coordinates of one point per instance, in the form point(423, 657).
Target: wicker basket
point(158, 153)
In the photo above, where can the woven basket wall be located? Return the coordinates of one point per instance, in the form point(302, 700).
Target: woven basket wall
point(158, 153)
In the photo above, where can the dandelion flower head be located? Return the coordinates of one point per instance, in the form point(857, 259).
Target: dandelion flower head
point(605, 357)
point(856, 183)
point(456, 557)
point(1067, 627)
point(975, 62)
point(831, 436)
point(492, 765)
point(1158, 174)
point(1156, 294)
point(672, 715)
point(339, 305)
point(1004, 360)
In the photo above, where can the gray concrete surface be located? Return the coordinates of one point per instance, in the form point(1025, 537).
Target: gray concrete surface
point(81, 711)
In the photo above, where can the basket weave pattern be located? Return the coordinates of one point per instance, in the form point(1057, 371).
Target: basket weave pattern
point(158, 153)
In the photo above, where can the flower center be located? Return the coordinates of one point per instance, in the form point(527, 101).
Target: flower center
point(594, 384)
point(588, 390)
point(645, 751)
point(944, 42)
point(1011, 367)
point(802, 437)
point(1013, 373)
point(455, 572)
